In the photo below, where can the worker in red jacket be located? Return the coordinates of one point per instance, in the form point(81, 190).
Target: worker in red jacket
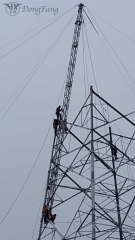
point(45, 213)
point(53, 218)
point(55, 125)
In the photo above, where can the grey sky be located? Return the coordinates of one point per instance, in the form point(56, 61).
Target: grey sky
point(26, 124)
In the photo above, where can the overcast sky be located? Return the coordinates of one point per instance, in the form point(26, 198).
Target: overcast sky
point(25, 119)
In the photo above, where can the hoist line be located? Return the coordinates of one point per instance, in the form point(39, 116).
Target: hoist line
point(115, 61)
point(38, 66)
point(94, 76)
point(36, 158)
point(66, 136)
point(84, 63)
point(86, 82)
point(94, 73)
point(90, 55)
point(116, 57)
point(55, 19)
point(67, 93)
point(28, 38)
point(91, 62)
point(92, 66)
point(46, 181)
point(111, 25)
point(32, 166)
point(91, 22)
point(12, 205)
point(54, 165)
point(37, 215)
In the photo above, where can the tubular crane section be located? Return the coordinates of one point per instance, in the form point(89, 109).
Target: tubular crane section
point(72, 62)
point(57, 148)
point(58, 139)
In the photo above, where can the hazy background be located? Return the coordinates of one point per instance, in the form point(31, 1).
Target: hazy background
point(26, 119)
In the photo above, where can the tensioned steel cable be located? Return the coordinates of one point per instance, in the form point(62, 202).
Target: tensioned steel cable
point(38, 214)
point(42, 144)
point(94, 74)
point(84, 63)
point(30, 38)
point(112, 26)
point(54, 19)
point(132, 219)
point(46, 180)
point(97, 87)
point(26, 179)
point(33, 164)
point(40, 61)
point(38, 153)
point(92, 66)
point(85, 69)
point(116, 56)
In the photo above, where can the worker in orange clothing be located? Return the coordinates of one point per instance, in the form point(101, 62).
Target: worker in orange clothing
point(53, 218)
point(55, 125)
point(45, 213)
point(58, 114)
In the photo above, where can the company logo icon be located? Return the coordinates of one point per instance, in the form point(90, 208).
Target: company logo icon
point(12, 8)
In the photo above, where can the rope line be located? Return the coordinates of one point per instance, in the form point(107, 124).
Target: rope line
point(29, 38)
point(35, 159)
point(46, 180)
point(40, 61)
point(115, 54)
point(55, 18)
point(112, 26)
point(26, 178)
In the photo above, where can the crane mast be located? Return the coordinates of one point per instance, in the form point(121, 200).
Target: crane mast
point(72, 62)
point(58, 139)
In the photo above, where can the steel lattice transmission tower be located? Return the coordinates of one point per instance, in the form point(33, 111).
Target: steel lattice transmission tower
point(91, 180)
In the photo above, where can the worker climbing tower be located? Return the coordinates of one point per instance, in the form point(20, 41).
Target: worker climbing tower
point(91, 183)
point(59, 137)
